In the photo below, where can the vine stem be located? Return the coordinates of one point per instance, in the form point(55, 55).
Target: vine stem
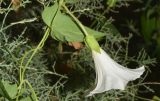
point(40, 45)
point(76, 20)
point(34, 94)
point(23, 68)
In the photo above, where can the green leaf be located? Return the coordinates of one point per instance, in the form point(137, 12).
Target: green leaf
point(65, 29)
point(27, 99)
point(7, 90)
point(49, 13)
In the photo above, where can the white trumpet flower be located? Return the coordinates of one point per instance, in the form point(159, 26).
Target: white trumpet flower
point(110, 74)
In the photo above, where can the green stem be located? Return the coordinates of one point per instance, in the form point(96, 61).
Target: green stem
point(23, 68)
point(19, 91)
point(76, 20)
point(40, 45)
point(21, 64)
point(33, 92)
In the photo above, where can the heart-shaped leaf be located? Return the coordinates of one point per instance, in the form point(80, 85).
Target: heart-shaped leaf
point(49, 13)
point(64, 28)
point(8, 90)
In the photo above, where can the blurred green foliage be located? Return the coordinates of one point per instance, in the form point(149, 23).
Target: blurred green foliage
point(150, 26)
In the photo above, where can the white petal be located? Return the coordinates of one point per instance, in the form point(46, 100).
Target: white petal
point(110, 74)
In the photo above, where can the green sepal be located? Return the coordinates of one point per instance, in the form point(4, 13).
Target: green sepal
point(92, 43)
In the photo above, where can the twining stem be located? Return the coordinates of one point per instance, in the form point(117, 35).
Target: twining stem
point(23, 68)
point(76, 20)
point(40, 45)
point(21, 64)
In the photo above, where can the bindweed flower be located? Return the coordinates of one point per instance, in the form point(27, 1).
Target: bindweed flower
point(110, 74)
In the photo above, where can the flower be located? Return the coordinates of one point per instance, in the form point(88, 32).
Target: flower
point(110, 74)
